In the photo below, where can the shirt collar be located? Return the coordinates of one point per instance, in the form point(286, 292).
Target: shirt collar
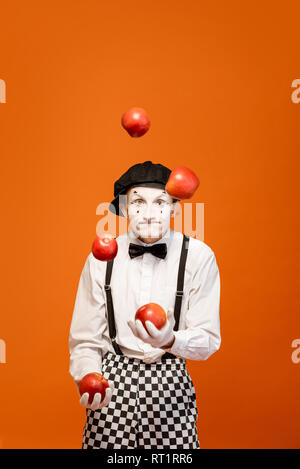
point(165, 239)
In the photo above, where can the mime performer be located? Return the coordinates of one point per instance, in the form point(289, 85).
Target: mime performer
point(151, 401)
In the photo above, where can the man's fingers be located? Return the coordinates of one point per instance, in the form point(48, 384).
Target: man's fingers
point(96, 401)
point(138, 332)
point(107, 398)
point(133, 328)
point(153, 331)
point(97, 404)
point(170, 318)
point(141, 330)
point(108, 394)
point(84, 399)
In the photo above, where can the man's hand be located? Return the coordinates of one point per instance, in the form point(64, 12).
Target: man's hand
point(97, 404)
point(158, 338)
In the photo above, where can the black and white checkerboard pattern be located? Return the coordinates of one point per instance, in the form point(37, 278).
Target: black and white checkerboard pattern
point(153, 406)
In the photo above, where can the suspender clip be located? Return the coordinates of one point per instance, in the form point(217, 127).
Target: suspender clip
point(179, 293)
point(107, 287)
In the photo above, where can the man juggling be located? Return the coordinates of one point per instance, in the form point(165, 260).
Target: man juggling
point(149, 400)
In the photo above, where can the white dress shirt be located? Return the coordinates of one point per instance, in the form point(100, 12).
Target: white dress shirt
point(142, 280)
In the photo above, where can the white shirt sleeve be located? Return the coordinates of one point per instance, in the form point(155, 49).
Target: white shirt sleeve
point(88, 321)
point(201, 337)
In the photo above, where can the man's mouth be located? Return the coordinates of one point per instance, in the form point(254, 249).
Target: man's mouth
point(151, 223)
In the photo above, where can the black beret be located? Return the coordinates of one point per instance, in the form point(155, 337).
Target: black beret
point(145, 174)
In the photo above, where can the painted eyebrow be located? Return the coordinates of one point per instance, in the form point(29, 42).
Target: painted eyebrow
point(162, 194)
point(136, 193)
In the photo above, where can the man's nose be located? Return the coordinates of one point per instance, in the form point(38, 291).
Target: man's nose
point(149, 213)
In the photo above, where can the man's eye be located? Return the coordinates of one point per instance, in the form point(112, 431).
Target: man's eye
point(161, 201)
point(137, 200)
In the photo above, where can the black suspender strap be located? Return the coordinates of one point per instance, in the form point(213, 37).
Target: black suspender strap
point(180, 280)
point(110, 308)
point(180, 284)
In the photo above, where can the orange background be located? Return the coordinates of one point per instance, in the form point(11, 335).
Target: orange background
point(216, 80)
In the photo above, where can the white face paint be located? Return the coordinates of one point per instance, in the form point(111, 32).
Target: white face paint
point(149, 211)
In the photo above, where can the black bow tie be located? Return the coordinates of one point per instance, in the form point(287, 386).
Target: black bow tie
point(158, 250)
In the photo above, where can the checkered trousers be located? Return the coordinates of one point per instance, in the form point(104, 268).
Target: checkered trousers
point(153, 406)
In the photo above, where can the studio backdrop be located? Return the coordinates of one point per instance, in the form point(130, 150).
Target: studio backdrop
point(220, 82)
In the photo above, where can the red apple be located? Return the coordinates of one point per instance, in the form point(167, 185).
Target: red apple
point(93, 383)
point(182, 183)
point(136, 121)
point(152, 312)
point(104, 247)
